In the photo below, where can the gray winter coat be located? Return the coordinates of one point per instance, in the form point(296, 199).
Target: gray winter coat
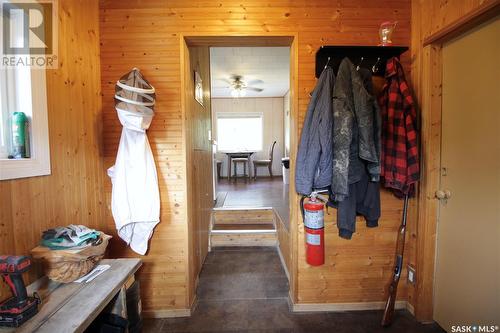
point(313, 168)
point(356, 128)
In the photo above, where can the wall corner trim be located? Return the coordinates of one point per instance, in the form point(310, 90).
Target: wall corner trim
point(283, 264)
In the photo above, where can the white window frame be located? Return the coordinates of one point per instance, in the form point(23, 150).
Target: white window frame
point(240, 115)
point(38, 164)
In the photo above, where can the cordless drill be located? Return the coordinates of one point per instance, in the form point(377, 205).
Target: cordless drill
point(17, 309)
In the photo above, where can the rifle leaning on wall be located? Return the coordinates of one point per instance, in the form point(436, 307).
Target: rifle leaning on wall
point(398, 267)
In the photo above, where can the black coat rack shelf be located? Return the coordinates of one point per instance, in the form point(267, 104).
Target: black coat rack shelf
point(364, 56)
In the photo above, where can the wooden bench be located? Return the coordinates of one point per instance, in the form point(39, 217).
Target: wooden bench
point(72, 307)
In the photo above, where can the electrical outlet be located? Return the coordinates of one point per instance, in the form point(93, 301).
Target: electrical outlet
point(411, 274)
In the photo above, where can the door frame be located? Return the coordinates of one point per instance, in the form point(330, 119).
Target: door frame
point(220, 39)
point(431, 108)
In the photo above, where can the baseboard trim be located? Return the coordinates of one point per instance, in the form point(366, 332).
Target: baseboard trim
point(167, 313)
point(333, 307)
point(410, 308)
point(173, 313)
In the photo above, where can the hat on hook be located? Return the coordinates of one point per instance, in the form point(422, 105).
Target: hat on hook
point(134, 89)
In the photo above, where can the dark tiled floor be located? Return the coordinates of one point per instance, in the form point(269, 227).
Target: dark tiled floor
point(263, 192)
point(245, 290)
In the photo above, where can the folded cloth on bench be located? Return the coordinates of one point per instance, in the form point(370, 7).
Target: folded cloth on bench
point(69, 237)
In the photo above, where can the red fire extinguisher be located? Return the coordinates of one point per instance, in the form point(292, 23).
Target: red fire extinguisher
point(314, 226)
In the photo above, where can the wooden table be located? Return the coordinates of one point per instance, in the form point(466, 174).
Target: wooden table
point(238, 154)
point(72, 307)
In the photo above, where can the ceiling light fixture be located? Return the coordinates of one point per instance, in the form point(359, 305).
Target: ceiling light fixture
point(238, 92)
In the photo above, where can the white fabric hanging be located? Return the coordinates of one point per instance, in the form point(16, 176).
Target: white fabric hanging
point(135, 199)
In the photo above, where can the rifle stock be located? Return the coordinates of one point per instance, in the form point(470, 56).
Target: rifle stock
point(398, 267)
point(389, 305)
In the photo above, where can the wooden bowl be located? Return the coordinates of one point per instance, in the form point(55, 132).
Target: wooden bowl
point(69, 265)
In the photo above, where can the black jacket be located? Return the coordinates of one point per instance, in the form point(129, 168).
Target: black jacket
point(363, 189)
point(356, 130)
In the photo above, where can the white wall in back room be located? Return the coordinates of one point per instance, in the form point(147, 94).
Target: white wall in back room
point(272, 110)
point(286, 123)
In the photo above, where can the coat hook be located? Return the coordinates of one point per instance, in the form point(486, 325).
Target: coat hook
point(374, 67)
point(327, 62)
point(359, 65)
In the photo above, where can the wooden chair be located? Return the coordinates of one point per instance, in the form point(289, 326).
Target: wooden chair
point(265, 163)
point(245, 162)
point(219, 169)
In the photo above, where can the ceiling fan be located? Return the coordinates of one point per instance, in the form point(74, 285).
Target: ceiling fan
point(239, 86)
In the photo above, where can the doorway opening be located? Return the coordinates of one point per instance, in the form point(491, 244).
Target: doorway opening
point(239, 104)
point(250, 99)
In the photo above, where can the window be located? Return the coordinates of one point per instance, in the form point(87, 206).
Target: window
point(15, 96)
point(23, 89)
point(239, 132)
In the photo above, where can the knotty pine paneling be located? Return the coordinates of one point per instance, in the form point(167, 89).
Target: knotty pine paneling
point(283, 241)
point(146, 34)
point(428, 17)
point(355, 270)
point(73, 193)
point(199, 162)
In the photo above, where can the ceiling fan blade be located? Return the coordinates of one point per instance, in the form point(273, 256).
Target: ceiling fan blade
point(251, 83)
point(254, 89)
point(225, 80)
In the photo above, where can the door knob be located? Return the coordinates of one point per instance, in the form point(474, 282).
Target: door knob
point(442, 194)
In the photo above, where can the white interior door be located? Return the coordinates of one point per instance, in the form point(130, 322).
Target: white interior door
point(467, 276)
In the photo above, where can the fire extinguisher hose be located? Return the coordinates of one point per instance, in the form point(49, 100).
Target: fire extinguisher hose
point(316, 195)
point(302, 206)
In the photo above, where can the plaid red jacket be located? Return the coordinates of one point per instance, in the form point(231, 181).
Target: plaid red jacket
point(399, 155)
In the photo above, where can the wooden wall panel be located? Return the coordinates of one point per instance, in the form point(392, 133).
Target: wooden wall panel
point(73, 193)
point(146, 33)
point(355, 270)
point(283, 242)
point(199, 162)
point(430, 18)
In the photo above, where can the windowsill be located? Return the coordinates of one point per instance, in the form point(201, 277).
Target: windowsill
point(14, 159)
point(23, 168)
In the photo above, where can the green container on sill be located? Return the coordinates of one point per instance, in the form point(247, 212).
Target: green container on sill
point(19, 134)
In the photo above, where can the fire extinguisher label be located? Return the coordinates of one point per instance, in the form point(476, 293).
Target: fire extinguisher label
point(312, 239)
point(314, 219)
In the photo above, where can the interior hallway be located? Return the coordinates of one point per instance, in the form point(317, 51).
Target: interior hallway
point(246, 290)
point(263, 192)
